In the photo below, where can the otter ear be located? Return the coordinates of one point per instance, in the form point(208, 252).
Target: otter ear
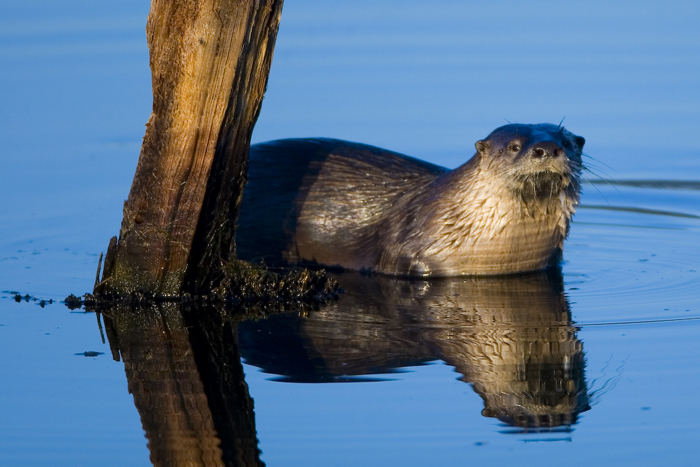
point(483, 146)
point(580, 140)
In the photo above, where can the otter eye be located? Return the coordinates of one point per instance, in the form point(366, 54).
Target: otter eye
point(514, 147)
point(566, 143)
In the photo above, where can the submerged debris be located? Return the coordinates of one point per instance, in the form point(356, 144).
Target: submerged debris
point(18, 297)
point(90, 353)
point(73, 302)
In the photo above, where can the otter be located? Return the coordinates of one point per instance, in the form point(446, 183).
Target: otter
point(337, 204)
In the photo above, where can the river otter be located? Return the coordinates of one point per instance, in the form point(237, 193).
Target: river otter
point(339, 204)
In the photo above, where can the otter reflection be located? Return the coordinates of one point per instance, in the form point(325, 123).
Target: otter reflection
point(511, 337)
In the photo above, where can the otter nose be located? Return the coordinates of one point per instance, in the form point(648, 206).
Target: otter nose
point(546, 149)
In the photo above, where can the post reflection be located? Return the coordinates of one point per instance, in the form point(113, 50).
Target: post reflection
point(512, 338)
point(184, 371)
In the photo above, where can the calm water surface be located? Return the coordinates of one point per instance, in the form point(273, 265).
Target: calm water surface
point(395, 372)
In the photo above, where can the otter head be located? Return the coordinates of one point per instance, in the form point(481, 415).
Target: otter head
point(535, 162)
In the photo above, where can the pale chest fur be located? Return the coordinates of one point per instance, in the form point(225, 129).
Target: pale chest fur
point(478, 230)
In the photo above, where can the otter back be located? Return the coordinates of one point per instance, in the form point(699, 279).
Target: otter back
point(321, 201)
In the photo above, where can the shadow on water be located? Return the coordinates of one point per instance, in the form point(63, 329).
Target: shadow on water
point(511, 338)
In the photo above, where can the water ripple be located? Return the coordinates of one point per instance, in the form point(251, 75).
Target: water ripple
point(635, 259)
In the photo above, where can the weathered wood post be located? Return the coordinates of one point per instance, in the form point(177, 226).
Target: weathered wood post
point(210, 61)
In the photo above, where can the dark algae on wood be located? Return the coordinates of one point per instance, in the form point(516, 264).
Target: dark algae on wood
point(243, 287)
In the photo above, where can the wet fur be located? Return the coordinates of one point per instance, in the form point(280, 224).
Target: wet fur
point(335, 203)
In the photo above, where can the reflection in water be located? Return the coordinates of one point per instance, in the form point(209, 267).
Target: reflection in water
point(184, 371)
point(511, 337)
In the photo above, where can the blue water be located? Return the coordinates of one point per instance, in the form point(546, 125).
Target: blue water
point(425, 79)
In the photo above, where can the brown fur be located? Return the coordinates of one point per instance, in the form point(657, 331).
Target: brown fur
point(335, 203)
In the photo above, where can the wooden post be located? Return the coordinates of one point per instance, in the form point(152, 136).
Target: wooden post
point(210, 61)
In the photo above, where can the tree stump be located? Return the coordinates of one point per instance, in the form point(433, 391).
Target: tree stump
point(210, 61)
